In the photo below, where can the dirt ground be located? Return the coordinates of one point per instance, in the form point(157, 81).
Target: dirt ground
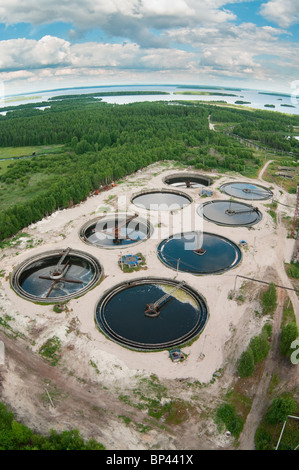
point(111, 393)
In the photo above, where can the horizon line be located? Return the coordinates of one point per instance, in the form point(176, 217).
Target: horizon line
point(141, 85)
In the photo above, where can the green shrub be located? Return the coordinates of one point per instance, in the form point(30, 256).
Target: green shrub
point(21, 434)
point(288, 312)
point(257, 350)
point(260, 347)
point(246, 366)
point(293, 270)
point(72, 440)
point(6, 417)
point(6, 440)
point(267, 330)
point(262, 440)
point(288, 334)
point(279, 410)
point(269, 299)
point(233, 423)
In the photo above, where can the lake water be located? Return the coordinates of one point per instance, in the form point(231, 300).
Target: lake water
point(254, 98)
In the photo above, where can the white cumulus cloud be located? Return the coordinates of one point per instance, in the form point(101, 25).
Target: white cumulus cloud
point(238, 50)
point(29, 53)
point(92, 13)
point(282, 12)
point(148, 38)
point(49, 51)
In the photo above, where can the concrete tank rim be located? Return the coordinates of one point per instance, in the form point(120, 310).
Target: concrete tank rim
point(199, 211)
point(218, 273)
point(268, 190)
point(93, 221)
point(17, 271)
point(161, 190)
point(188, 175)
point(151, 279)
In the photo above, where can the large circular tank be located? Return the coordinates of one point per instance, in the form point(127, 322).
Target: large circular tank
point(161, 200)
point(248, 191)
point(230, 213)
point(199, 253)
point(116, 230)
point(56, 276)
point(151, 314)
point(188, 180)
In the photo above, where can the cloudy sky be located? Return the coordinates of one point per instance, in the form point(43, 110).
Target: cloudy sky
point(59, 43)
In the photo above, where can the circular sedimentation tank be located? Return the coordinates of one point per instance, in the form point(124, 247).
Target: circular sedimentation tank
point(199, 253)
point(188, 180)
point(230, 213)
point(151, 314)
point(116, 230)
point(56, 276)
point(161, 200)
point(248, 191)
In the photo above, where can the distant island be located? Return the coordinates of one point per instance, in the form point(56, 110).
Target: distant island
point(269, 105)
point(107, 93)
point(242, 102)
point(201, 87)
point(274, 94)
point(21, 97)
point(288, 105)
point(205, 93)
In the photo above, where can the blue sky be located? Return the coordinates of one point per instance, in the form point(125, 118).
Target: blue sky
point(67, 43)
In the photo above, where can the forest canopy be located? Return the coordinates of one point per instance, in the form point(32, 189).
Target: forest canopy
point(95, 143)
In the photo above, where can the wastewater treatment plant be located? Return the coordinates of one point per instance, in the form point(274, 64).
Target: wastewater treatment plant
point(154, 287)
point(160, 311)
point(139, 247)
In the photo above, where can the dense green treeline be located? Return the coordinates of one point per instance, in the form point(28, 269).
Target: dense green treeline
point(271, 129)
point(103, 143)
point(107, 93)
point(234, 115)
point(84, 97)
point(95, 122)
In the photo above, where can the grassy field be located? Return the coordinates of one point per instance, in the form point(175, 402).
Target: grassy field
point(6, 153)
point(34, 184)
point(35, 187)
point(4, 165)
point(9, 152)
point(289, 185)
